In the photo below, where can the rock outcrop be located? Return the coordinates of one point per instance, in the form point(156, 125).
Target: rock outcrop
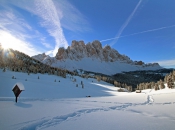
point(79, 50)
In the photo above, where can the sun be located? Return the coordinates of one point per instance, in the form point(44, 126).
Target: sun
point(6, 46)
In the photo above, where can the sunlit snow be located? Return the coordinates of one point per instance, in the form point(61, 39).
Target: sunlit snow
point(55, 103)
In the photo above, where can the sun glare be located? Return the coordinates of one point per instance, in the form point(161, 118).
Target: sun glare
point(7, 40)
point(6, 46)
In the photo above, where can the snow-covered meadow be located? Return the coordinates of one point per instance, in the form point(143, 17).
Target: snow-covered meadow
point(52, 103)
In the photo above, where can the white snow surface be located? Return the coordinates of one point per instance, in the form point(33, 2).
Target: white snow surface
point(96, 65)
point(49, 105)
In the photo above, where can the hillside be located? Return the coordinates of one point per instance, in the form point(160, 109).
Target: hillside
point(19, 62)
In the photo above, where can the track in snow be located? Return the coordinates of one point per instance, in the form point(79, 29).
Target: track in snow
point(45, 123)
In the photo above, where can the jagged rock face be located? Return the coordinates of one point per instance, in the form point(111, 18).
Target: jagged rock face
point(62, 54)
point(79, 50)
point(139, 62)
point(91, 50)
point(98, 48)
point(106, 51)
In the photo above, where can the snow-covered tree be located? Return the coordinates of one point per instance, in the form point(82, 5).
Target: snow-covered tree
point(156, 86)
point(162, 86)
point(170, 82)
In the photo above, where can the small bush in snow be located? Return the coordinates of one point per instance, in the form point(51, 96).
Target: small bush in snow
point(104, 78)
point(129, 88)
point(156, 87)
point(116, 84)
point(74, 80)
point(121, 90)
point(13, 77)
point(162, 86)
point(76, 85)
point(38, 77)
point(98, 78)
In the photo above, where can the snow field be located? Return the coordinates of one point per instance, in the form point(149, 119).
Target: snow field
point(49, 105)
point(46, 87)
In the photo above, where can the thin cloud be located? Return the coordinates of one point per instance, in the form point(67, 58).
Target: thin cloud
point(54, 15)
point(167, 63)
point(152, 30)
point(125, 23)
point(47, 11)
point(49, 19)
point(47, 45)
point(11, 22)
point(71, 18)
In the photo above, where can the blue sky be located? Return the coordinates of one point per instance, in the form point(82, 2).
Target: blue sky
point(141, 29)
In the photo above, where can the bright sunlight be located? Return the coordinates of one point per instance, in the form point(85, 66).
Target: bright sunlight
point(6, 46)
point(8, 40)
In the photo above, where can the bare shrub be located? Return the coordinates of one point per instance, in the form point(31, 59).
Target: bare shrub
point(121, 90)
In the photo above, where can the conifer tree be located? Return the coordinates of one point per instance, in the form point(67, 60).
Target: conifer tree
point(156, 86)
point(162, 86)
point(170, 82)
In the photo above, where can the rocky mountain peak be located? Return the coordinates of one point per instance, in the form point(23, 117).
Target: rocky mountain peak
point(89, 56)
point(61, 54)
point(79, 50)
point(96, 44)
point(107, 48)
point(77, 44)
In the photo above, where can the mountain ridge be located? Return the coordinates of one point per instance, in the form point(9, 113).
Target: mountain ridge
point(79, 54)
